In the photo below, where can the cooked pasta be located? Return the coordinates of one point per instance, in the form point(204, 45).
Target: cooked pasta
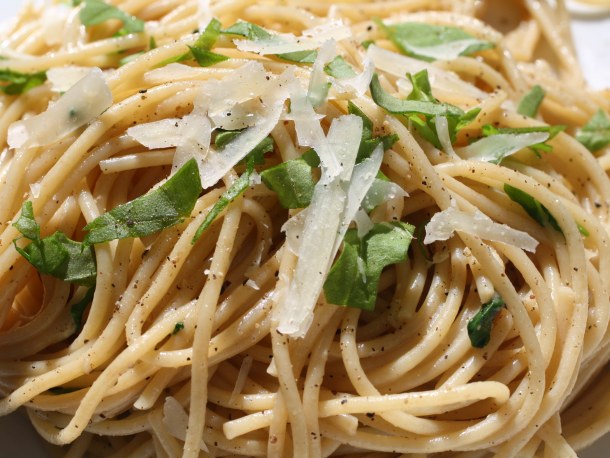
point(290, 228)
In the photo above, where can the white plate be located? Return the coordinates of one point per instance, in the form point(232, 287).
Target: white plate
point(592, 38)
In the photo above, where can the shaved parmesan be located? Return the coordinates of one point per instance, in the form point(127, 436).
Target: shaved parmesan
point(397, 65)
point(324, 218)
point(176, 420)
point(63, 78)
point(442, 130)
point(80, 105)
point(445, 51)
point(496, 147)
point(318, 83)
point(445, 223)
point(356, 85)
point(283, 43)
point(382, 191)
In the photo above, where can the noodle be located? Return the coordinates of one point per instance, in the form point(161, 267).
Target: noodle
point(438, 168)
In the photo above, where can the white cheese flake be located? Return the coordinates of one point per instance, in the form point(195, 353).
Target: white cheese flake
point(80, 105)
point(443, 225)
point(496, 147)
point(176, 420)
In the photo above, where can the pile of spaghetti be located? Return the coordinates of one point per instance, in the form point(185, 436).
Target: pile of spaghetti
point(300, 228)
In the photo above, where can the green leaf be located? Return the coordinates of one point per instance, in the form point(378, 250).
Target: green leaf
point(200, 51)
point(489, 130)
point(238, 187)
point(431, 42)
point(354, 278)
point(366, 43)
point(292, 181)
point(153, 212)
point(247, 30)
point(179, 327)
point(368, 142)
point(14, 83)
point(206, 58)
point(595, 135)
point(97, 11)
point(529, 104)
point(405, 106)
point(532, 206)
point(77, 310)
point(302, 57)
point(338, 68)
point(55, 255)
point(479, 327)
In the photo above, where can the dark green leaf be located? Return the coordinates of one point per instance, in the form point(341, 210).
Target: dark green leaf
point(247, 30)
point(354, 278)
point(531, 102)
point(368, 142)
point(338, 68)
point(238, 187)
point(153, 212)
point(479, 327)
point(179, 327)
point(55, 255)
point(200, 51)
point(405, 106)
point(97, 11)
point(13, 83)
point(595, 135)
point(532, 206)
point(267, 145)
point(206, 58)
point(431, 42)
point(302, 57)
point(292, 181)
point(77, 310)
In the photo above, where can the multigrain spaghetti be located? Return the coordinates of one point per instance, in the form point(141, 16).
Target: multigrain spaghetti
point(294, 228)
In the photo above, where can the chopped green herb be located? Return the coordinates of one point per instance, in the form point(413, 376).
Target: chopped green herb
point(238, 187)
point(179, 327)
point(292, 181)
point(153, 212)
point(13, 83)
point(595, 135)
point(353, 279)
point(98, 11)
point(583, 230)
point(431, 42)
point(531, 102)
point(338, 68)
point(532, 206)
point(201, 49)
point(302, 57)
point(489, 130)
point(366, 43)
point(77, 310)
point(479, 327)
point(56, 255)
point(368, 142)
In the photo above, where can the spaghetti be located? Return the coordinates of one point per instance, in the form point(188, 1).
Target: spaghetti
point(237, 228)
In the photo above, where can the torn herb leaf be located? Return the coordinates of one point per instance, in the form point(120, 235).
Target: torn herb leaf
point(238, 187)
point(595, 135)
point(201, 49)
point(354, 277)
point(532, 206)
point(368, 142)
point(14, 83)
point(529, 104)
point(179, 327)
point(98, 11)
point(78, 309)
point(164, 207)
point(267, 145)
point(479, 326)
point(338, 68)
point(538, 148)
point(432, 42)
point(56, 255)
point(292, 181)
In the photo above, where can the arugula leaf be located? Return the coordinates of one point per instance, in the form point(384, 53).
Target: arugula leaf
point(255, 33)
point(238, 187)
point(179, 327)
point(431, 42)
point(353, 279)
point(98, 11)
point(153, 212)
point(479, 327)
point(368, 143)
point(529, 104)
point(292, 181)
point(56, 255)
point(532, 206)
point(13, 83)
point(405, 106)
point(595, 135)
point(200, 51)
point(338, 68)
point(77, 310)
point(267, 145)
